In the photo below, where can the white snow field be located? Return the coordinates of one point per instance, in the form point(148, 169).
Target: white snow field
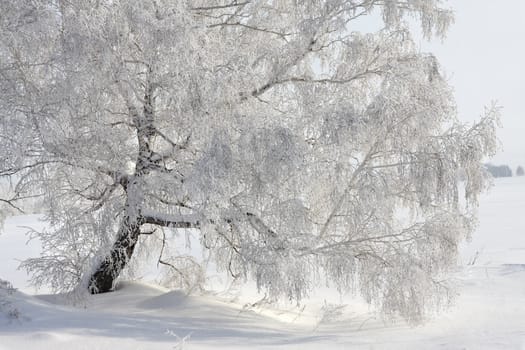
point(488, 314)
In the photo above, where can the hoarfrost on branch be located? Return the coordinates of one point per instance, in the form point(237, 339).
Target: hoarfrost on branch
point(301, 150)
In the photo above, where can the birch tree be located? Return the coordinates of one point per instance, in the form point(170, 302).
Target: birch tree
point(302, 150)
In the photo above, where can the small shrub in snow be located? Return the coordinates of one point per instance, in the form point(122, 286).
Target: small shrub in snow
point(6, 306)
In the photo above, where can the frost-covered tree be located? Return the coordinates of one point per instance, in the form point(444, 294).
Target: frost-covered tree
point(520, 171)
point(300, 149)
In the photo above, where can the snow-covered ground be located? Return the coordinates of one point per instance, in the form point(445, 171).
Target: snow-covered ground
point(488, 314)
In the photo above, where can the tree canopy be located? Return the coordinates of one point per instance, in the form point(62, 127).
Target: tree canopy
point(303, 151)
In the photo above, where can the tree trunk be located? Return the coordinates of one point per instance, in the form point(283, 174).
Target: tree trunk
point(103, 279)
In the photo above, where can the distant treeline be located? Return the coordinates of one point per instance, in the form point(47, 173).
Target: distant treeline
point(503, 170)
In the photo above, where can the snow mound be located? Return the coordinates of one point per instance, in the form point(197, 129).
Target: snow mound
point(488, 314)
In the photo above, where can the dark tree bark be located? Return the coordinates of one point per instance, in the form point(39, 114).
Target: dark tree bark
point(103, 280)
point(104, 277)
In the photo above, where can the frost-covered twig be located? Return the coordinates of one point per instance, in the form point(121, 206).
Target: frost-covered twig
point(181, 341)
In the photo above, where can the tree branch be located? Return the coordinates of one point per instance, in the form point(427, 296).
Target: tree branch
point(259, 91)
point(218, 7)
point(247, 26)
point(172, 221)
point(10, 203)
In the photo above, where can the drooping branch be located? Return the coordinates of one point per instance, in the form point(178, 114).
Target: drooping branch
point(348, 188)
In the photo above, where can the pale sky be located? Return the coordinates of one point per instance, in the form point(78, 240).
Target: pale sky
point(484, 57)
